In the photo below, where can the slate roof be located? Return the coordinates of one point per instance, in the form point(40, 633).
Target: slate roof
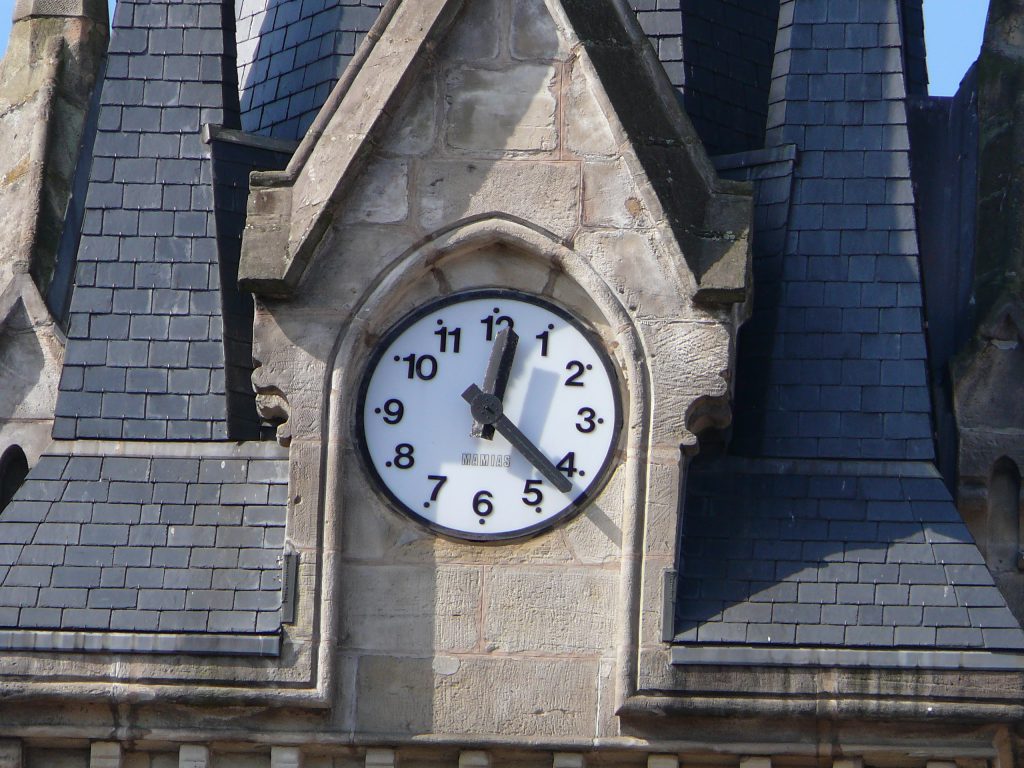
point(290, 55)
point(826, 525)
point(716, 52)
point(145, 352)
point(832, 363)
point(143, 519)
point(724, 68)
point(168, 544)
point(825, 554)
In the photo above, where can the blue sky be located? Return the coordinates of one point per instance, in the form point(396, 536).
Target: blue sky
point(953, 29)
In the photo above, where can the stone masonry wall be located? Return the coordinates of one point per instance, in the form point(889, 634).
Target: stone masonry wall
point(506, 156)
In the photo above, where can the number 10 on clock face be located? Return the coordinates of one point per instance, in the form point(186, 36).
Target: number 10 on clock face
point(489, 415)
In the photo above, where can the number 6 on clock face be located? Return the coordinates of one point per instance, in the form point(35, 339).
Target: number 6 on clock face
point(489, 415)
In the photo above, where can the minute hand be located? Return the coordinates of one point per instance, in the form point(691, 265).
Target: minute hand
point(487, 410)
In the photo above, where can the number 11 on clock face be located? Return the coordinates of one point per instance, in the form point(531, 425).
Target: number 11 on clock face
point(489, 415)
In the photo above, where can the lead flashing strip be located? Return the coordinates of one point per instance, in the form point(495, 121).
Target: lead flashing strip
point(148, 643)
point(212, 133)
point(722, 655)
point(756, 157)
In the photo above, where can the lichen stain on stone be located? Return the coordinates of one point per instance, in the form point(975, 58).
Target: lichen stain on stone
point(16, 174)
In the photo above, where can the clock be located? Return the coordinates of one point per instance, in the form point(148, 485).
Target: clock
point(489, 415)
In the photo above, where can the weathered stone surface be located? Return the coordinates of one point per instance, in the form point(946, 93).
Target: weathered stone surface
point(401, 609)
point(286, 757)
point(193, 756)
point(11, 755)
point(534, 35)
point(610, 198)
point(105, 754)
point(513, 697)
point(507, 109)
point(544, 193)
point(46, 78)
point(587, 132)
point(381, 196)
point(436, 636)
point(478, 34)
point(543, 611)
point(415, 128)
point(57, 758)
point(93, 9)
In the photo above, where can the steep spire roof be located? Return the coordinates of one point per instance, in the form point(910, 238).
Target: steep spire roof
point(145, 356)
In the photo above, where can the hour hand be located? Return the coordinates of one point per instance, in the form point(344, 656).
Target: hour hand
point(487, 410)
point(499, 367)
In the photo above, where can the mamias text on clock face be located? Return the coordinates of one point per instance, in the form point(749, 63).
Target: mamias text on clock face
point(489, 415)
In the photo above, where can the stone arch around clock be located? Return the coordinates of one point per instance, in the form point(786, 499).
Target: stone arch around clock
point(632, 524)
point(494, 251)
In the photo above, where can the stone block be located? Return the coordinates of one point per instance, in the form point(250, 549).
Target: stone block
point(545, 193)
point(510, 109)
point(610, 198)
point(534, 34)
point(496, 266)
point(514, 697)
point(568, 760)
point(476, 35)
point(105, 754)
point(381, 758)
point(474, 759)
point(380, 196)
point(415, 126)
point(409, 609)
point(58, 758)
point(193, 756)
point(662, 761)
point(595, 537)
point(848, 762)
point(540, 611)
point(628, 262)
point(11, 754)
point(755, 762)
point(286, 757)
point(587, 131)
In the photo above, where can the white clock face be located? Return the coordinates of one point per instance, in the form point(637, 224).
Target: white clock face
point(489, 415)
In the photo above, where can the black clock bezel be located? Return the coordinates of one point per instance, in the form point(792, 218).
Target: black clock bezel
point(592, 491)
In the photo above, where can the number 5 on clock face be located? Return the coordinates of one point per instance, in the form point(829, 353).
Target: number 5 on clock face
point(489, 415)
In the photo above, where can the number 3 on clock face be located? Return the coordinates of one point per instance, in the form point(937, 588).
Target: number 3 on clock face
point(489, 415)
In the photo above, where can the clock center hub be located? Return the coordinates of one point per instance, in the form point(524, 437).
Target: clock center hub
point(486, 408)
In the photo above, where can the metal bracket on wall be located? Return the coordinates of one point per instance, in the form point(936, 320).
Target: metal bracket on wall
point(289, 579)
point(668, 607)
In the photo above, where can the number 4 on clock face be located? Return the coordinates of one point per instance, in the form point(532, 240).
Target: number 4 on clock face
point(489, 415)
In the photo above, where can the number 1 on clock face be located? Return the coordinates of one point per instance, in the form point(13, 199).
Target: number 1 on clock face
point(554, 411)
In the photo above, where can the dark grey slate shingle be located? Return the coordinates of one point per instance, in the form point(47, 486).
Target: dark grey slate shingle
point(124, 558)
point(824, 554)
point(832, 362)
point(148, 254)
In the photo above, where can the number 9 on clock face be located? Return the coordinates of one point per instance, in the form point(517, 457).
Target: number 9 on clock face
point(489, 415)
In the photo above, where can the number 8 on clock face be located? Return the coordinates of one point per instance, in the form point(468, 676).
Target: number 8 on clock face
point(489, 415)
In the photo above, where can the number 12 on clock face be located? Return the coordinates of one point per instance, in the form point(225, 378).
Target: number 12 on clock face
point(489, 415)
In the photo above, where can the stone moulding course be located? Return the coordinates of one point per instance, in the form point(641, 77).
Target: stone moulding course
point(140, 642)
point(92, 9)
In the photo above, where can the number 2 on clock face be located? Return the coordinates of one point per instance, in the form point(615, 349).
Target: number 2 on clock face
point(549, 433)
